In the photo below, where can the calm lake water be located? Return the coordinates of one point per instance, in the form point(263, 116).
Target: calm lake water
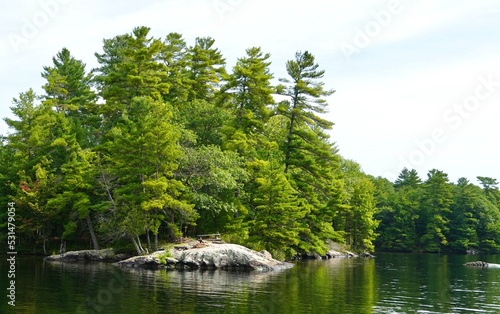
point(389, 283)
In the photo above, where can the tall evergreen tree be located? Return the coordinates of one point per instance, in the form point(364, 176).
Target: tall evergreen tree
point(464, 217)
point(305, 102)
point(252, 92)
point(207, 69)
point(201, 113)
point(176, 59)
point(144, 154)
point(129, 68)
point(68, 90)
point(69, 94)
point(7, 174)
point(310, 160)
point(141, 146)
point(359, 223)
point(407, 178)
point(28, 144)
point(28, 136)
point(435, 211)
point(489, 230)
point(490, 188)
point(276, 221)
point(398, 222)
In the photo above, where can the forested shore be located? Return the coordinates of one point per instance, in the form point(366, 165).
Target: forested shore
point(162, 141)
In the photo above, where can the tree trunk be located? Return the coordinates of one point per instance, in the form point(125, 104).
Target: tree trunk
point(107, 187)
point(136, 246)
point(148, 239)
point(62, 247)
point(288, 145)
point(171, 235)
point(156, 242)
point(140, 245)
point(44, 246)
point(92, 233)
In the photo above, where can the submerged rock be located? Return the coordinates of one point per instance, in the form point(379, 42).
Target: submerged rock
point(366, 254)
point(106, 255)
point(477, 264)
point(472, 252)
point(482, 264)
point(337, 250)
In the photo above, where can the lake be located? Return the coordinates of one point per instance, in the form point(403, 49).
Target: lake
point(389, 283)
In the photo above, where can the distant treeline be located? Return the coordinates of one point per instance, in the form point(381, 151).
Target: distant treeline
point(436, 215)
point(161, 141)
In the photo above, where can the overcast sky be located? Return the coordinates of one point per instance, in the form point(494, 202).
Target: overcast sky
point(417, 82)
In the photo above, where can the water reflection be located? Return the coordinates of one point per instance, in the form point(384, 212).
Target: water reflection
point(390, 283)
point(427, 283)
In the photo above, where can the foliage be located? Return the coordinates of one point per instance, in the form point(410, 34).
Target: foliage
point(160, 142)
point(438, 216)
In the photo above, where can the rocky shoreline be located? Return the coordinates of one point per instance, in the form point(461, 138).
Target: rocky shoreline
point(105, 255)
point(196, 255)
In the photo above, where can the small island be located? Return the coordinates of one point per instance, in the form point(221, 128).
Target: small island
point(207, 255)
point(196, 254)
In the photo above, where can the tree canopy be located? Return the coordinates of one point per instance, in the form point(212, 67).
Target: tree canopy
point(161, 141)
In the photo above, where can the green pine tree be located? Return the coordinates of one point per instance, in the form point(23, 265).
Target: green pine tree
point(437, 199)
point(310, 160)
point(276, 221)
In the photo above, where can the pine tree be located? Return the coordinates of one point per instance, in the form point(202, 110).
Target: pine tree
point(399, 218)
point(385, 198)
point(276, 221)
point(207, 70)
point(490, 188)
point(201, 113)
point(27, 136)
point(489, 223)
point(140, 150)
point(435, 211)
point(251, 88)
point(129, 68)
point(175, 57)
point(407, 178)
point(144, 154)
point(36, 154)
point(68, 90)
point(69, 95)
point(305, 127)
point(310, 160)
point(359, 222)
point(249, 96)
point(7, 174)
point(466, 209)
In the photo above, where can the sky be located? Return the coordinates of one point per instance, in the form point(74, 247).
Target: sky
point(417, 82)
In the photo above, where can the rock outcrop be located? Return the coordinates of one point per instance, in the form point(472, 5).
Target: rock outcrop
point(228, 256)
point(152, 261)
point(477, 264)
point(336, 250)
point(106, 255)
point(208, 255)
point(482, 264)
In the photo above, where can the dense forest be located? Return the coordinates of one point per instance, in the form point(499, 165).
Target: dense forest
point(161, 141)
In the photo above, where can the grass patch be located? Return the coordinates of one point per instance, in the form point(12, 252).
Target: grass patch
point(163, 256)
